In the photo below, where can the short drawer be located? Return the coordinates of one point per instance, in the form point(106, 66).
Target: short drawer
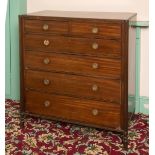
point(84, 46)
point(81, 65)
point(101, 114)
point(45, 26)
point(73, 85)
point(97, 29)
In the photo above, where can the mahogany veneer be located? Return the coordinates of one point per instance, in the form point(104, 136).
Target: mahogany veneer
point(78, 67)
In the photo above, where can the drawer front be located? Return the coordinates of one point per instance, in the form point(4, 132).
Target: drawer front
point(44, 26)
point(102, 29)
point(72, 85)
point(96, 47)
point(80, 65)
point(102, 114)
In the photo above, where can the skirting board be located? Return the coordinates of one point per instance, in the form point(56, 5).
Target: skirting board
point(143, 104)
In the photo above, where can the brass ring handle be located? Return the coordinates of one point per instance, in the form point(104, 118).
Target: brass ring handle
point(95, 112)
point(94, 88)
point(95, 46)
point(46, 42)
point(47, 103)
point(95, 65)
point(45, 27)
point(95, 30)
point(46, 61)
point(46, 82)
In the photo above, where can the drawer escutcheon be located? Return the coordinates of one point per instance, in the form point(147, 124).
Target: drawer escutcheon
point(95, 30)
point(95, 65)
point(94, 87)
point(95, 46)
point(46, 42)
point(95, 112)
point(46, 61)
point(46, 82)
point(45, 27)
point(47, 103)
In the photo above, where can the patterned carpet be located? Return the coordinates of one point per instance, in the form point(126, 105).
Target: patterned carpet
point(43, 137)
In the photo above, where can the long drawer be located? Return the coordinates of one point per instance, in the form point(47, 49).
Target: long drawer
point(81, 65)
point(73, 85)
point(84, 46)
point(101, 114)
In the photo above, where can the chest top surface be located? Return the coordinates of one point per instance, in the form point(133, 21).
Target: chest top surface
point(89, 15)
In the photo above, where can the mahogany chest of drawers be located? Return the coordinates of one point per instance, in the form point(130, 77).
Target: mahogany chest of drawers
point(78, 67)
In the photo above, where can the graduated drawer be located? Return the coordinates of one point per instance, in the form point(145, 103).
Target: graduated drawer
point(85, 46)
point(81, 65)
point(101, 114)
point(73, 85)
point(96, 29)
point(45, 26)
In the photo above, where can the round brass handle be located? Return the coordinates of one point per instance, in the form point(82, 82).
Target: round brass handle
point(45, 27)
point(95, 65)
point(94, 88)
point(46, 82)
point(47, 103)
point(46, 61)
point(46, 42)
point(95, 30)
point(95, 112)
point(95, 46)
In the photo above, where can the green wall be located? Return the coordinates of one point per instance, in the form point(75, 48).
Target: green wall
point(16, 7)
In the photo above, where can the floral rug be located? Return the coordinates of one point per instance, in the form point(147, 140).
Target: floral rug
point(44, 137)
